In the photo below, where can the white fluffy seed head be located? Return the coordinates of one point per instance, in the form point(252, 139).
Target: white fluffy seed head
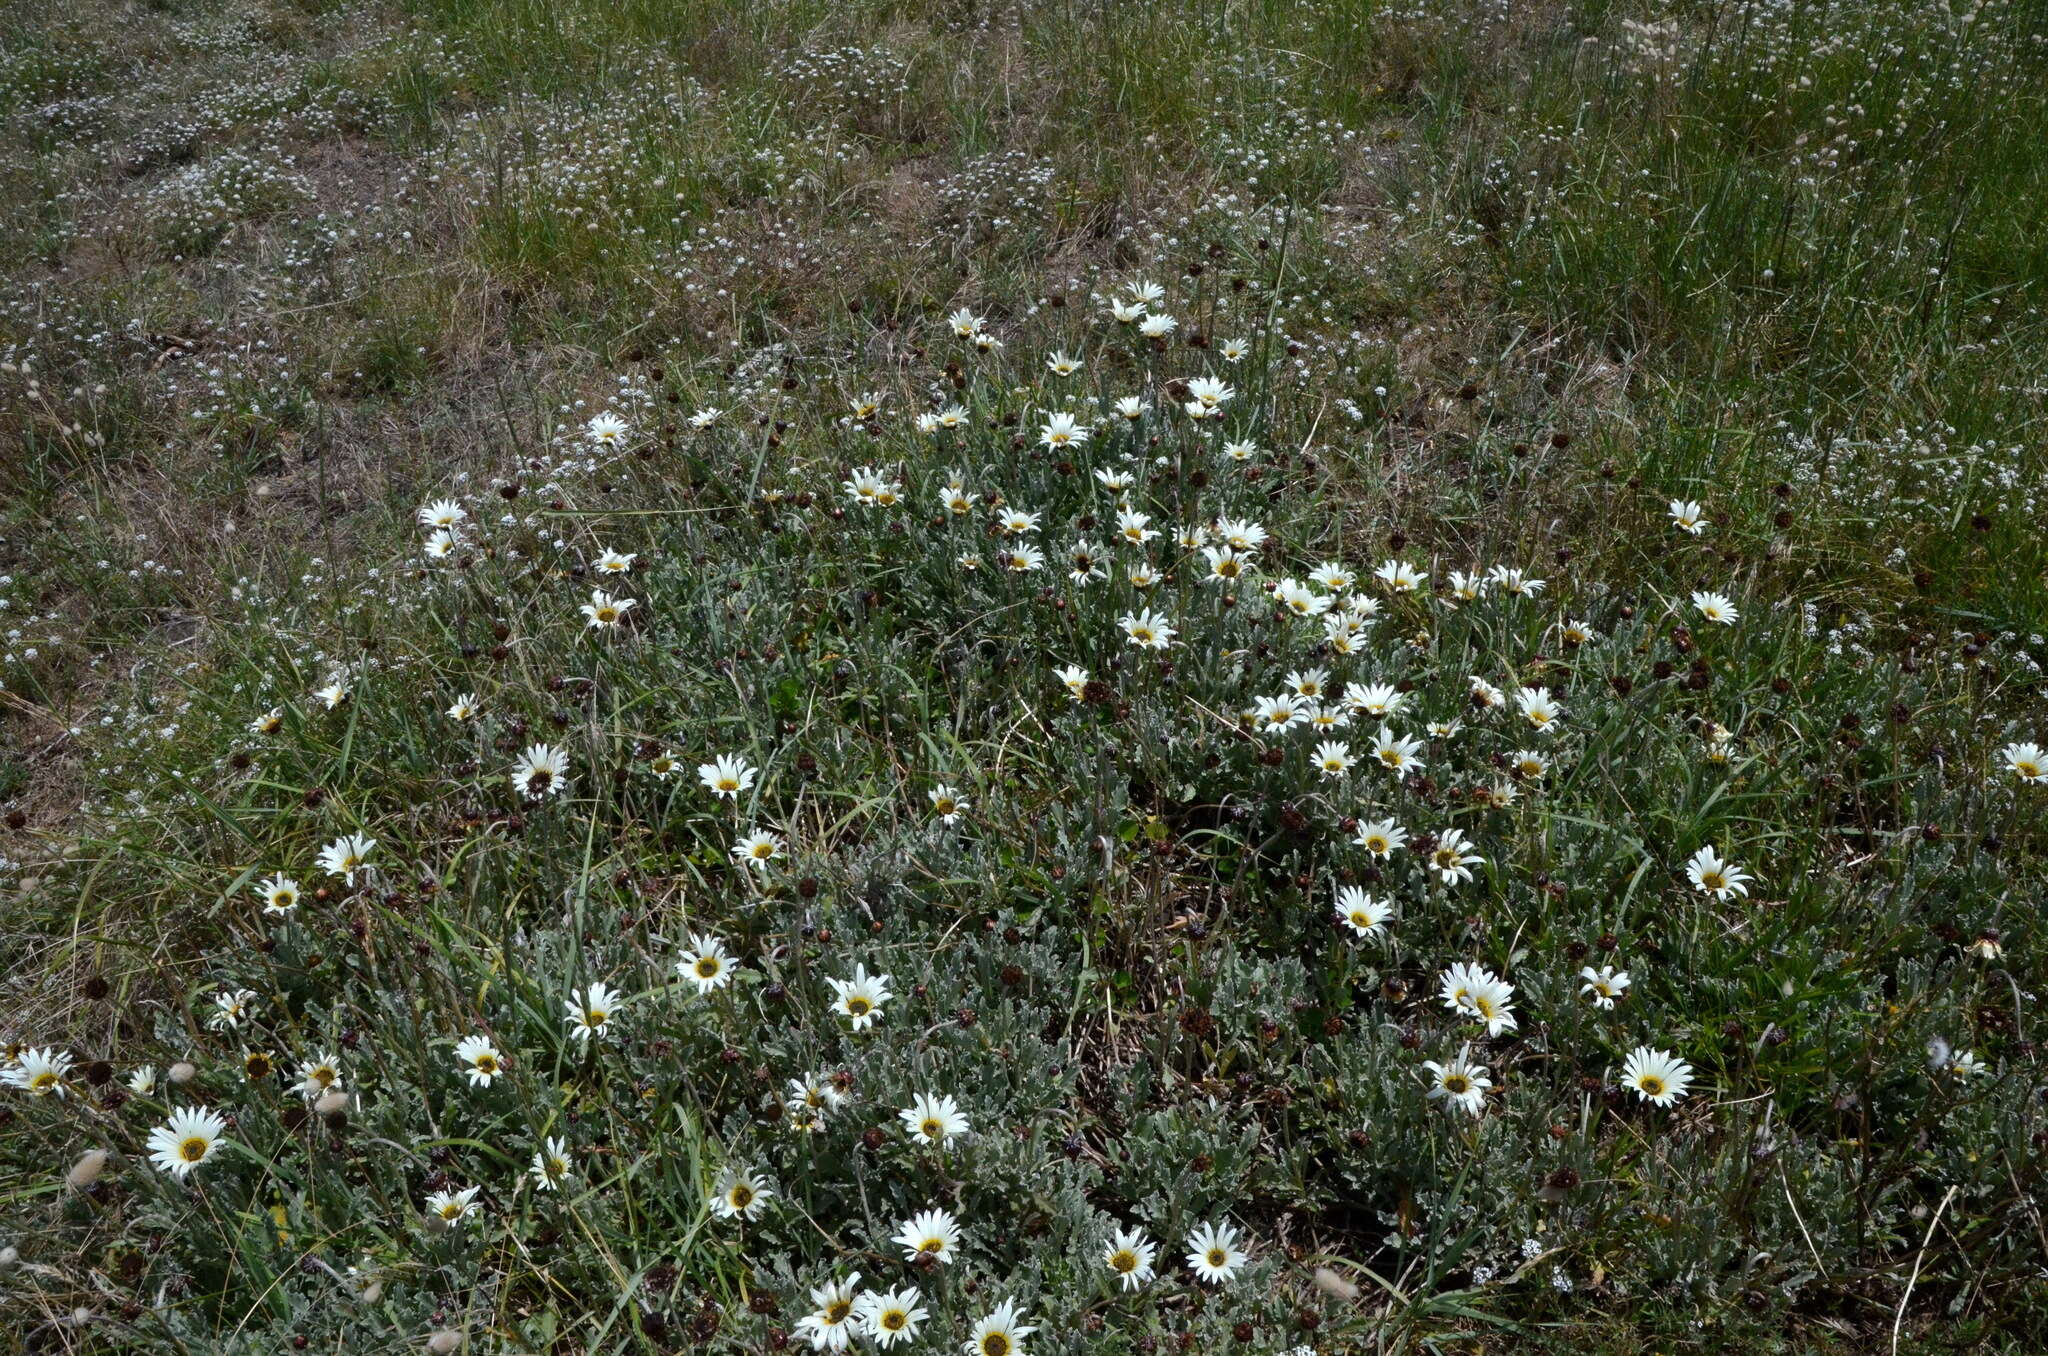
point(87, 1169)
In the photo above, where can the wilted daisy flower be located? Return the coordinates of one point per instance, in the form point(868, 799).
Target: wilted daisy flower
point(1477, 992)
point(230, 1007)
point(452, 1207)
point(604, 612)
point(2026, 762)
point(1656, 1075)
point(1539, 708)
point(39, 1072)
point(1459, 1084)
point(269, 723)
point(1484, 694)
point(257, 1065)
point(1213, 1254)
point(464, 707)
point(318, 1075)
point(605, 429)
point(1146, 631)
point(1130, 1256)
point(1687, 516)
point(741, 1194)
point(933, 1119)
point(589, 1012)
point(947, 803)
point(442, 513)
point(541, 770)
point(1451, 859)
point(1400, 577)
point(1604, 986)
point(1380, 837)
point(333, 694)
point(860, 998)
point(1718, 877)
point(705, 963)
point(186, 1140)
point(1397, 754)
point(1363, 914)
point(1000, 1334)
point(828, 1326)
point(479, 1059)
point(345, 856)
point(1965, 1065)
point(280, 894)
point(1061, 431)
point(931, 1233)
point(758, 849)
point(1715, 607)
point(1076, 679)
point(891, 1316)
point(550, 1165)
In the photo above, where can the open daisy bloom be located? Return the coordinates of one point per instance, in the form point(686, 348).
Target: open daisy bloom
point(185, 1141)
point(933, 1234)
point(1656, 1075)
point(935, 1120)
point(479, 1059)
point(999, 1334)
point(829, 1325)
point(1213, 1254)
point(705, 963)
point(891, 1316)
point(39, 1072)
point(550, 1165)
point(1130, 1256)
point(741, 1194)
point(541, 771)
point(1715, 875)
point(860, 999)
point(1459, 1084)
point(1361, 912)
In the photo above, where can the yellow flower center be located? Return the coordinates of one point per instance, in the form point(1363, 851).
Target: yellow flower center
point(1123, 1260)
point(894, 1319)
point(1217, 1257)
point(43, 1083)
point(837, 1310)
point(486, 1064)
point(741, 1197)
point(193, 1149)
point(707, 967)
point(858, 1007)
point(1653, 1085)
point(995, 1344)
point(1457, 1083)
